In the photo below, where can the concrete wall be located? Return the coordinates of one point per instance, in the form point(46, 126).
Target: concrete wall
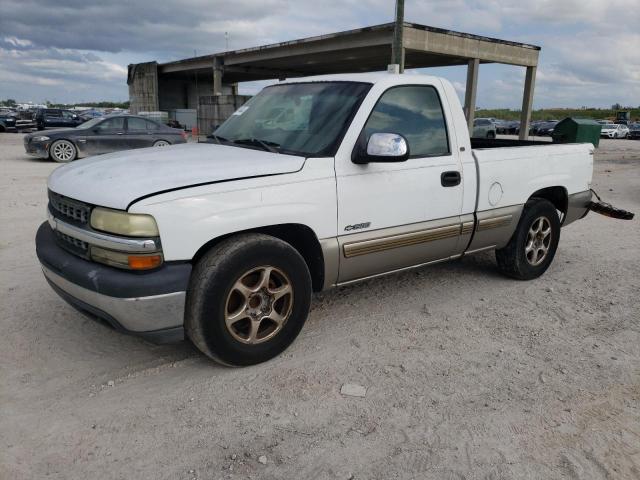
point(180, 92)
point(143, 87)
point(214, 110)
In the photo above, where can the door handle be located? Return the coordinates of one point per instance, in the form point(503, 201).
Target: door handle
point(450, 179)
point(120, 133)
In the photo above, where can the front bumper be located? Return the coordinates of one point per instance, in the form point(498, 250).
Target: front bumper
point(36, 149)
point(148, 304)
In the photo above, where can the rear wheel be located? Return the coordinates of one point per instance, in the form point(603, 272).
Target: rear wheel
point(161, 143)
point(534, 243)
point(63, 151)
point(248, 299)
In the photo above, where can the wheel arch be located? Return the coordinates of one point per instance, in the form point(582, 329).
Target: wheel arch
point(557, 195)
point(299, 236)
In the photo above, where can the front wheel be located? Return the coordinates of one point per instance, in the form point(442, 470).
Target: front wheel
point(161, 143)
point(534, 243)
point(63, 151)
point(248, 299)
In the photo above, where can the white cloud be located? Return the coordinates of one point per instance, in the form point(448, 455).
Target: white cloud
point(18, 42)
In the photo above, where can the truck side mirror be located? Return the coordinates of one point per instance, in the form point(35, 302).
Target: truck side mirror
point(382, 148)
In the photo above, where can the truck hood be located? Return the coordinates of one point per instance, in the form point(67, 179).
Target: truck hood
point(115, 180)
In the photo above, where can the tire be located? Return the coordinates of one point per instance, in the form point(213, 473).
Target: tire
point(229, 317)
point(491, 135)
point(161, 143)
point(63, 151)
point(530, 252)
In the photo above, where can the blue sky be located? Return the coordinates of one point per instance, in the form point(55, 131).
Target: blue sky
point(78, 50)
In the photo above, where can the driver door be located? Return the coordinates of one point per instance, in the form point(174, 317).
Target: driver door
point(396, 215)
point(107, 136)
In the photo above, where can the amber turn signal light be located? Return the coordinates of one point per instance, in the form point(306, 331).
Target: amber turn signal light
point(144, 262)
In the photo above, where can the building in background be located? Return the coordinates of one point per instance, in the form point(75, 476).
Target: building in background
point(205, 88)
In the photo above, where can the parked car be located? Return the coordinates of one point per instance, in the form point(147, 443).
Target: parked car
point(484, 128)
point(546, 129)
point(634, 131)
point(8, 112)
point(225, 241)
point(56, 117)
point(7, 122)
point(613, 130)
point(101, 135)
point(511, 127)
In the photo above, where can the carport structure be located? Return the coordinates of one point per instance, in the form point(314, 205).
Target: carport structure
point(210, 81)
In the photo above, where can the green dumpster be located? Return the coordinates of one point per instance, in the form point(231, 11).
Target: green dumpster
point(577, 130)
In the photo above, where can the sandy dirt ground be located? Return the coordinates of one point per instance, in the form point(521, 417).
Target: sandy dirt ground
point(468, 375)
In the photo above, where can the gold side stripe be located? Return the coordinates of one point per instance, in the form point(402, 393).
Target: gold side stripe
point(467, 228)
point(396, 241)
point(496, 222)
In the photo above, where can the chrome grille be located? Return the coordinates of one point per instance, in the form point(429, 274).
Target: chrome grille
point(75, 246)
point(69, 209)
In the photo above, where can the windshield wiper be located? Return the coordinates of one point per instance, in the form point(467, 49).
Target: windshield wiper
point(218, 138)
point(264, 144)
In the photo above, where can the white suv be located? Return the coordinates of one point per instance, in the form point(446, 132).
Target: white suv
point(612, 130)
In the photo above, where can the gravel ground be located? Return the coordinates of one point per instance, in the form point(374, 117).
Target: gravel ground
point(467, 374)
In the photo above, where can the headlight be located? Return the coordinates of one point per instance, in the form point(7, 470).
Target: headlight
point(42, 138)
point(123, 223)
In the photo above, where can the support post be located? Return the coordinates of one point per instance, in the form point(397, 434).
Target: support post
point(397, 46)
point(527, 102)
point(471, 92)
point(217, 76)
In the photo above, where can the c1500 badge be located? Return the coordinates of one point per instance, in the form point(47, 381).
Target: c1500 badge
point(357, 226)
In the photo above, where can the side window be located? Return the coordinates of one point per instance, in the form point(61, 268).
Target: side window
point(414, 112)
point(68, 115)
point(151, 125)
point(116, 123)
point(53, 113)
point(134, 123)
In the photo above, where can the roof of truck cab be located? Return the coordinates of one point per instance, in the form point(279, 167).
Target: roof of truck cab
point(374, 77)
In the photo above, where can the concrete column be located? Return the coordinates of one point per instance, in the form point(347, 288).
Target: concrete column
point(471, 91)
point(217, 76)
point(142, 79)
point(527, 102)
point(397, 45)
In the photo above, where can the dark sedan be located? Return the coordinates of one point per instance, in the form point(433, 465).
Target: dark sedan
point(634, 131)
point(101, 135)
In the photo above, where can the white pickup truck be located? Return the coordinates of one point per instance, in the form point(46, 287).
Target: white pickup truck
point(313, 183)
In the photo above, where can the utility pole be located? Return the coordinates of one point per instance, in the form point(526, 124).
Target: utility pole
point(397, 47)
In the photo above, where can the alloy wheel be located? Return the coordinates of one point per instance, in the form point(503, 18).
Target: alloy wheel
point(63, 151)
point(258, 305)
point(538, 241)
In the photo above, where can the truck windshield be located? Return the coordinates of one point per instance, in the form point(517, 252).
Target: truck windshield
point(306, 119)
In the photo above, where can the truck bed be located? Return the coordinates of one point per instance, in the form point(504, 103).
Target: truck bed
point(501, 181)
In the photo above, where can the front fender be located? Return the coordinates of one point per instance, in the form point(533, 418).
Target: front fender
point(190, 218)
